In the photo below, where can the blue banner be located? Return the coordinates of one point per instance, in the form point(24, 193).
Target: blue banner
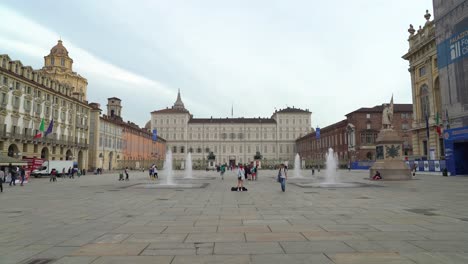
point(452, 49)
point(317, 133)
point(155, 135)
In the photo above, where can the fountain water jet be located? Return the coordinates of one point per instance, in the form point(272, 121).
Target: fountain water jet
point(331, 165)
point(297, 166)
point(188, 166)
point(168, 168)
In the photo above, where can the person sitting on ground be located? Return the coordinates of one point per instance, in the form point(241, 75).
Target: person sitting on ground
point(377, 176)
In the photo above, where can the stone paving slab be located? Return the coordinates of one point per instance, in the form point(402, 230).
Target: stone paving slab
point(291, 259)
point(152, 238)
point(267, 237)
point(315, 247)
point(227, 248)
point(110, 249)
point(226, 259)
point(215, 237)
point(370, 257)
point(134, 260)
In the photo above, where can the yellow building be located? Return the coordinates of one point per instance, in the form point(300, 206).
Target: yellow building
point(422, 57)
point(59, 66)
point(27, 97)
point(105, 138)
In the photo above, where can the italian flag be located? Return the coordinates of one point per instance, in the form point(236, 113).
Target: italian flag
point(41, 130)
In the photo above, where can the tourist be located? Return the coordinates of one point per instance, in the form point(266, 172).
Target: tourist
point(248, 173)
point(150, 171)
point(53, 175)
point(377, 176)
point(222, 170)
point(240, 178)
point(2, 178)
point(22, 175)
point(12, 171)
point(155, 172)
point(253, 171)
point(283, 176)
point(126, 174)
point(313, 170)
point(70, 173)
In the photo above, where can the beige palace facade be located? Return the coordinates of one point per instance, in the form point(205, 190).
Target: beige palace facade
point(422, 57)
point(26, 97)
point(232, 140)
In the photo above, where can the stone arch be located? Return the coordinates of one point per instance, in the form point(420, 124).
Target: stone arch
point(13, 150)
point(45, 153)
point(69, 155)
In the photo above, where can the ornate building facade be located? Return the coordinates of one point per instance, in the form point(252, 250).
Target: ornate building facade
point(425, 86)
point(27, 97)
point(353, 139)
point(115, 144)
point(231, 140)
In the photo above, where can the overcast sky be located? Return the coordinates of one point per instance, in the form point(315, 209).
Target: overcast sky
point(331, 57)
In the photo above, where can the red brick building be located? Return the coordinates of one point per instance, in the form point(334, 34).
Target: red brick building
point(353, 139)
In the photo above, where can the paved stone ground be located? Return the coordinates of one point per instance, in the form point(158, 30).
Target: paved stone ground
point(97, 219)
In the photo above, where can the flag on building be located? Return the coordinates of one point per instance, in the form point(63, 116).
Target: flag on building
point(427, 126)
point(50, 128)
point(438, 127)
point(447, 118)
point(317, 133)
point(41, 130)
point(155, 134)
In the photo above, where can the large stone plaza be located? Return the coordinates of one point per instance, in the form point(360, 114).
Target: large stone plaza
point(97, 219)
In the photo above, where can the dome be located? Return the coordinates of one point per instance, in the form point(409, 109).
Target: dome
point(59, 49)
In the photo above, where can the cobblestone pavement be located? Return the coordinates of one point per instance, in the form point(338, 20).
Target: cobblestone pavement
point(97, 219)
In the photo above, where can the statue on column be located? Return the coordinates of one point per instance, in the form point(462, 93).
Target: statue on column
point(387, 115)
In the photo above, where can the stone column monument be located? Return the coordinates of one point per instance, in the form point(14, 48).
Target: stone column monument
point(389, 150)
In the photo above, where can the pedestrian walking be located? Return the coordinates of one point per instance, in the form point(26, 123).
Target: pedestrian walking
point(2, 177)
point(22, 175)
point(282, 177)
point(222, 170)
point(13, 175)
point(155, 172)
point(150, 171)
point(126, 174)
point(53, 175)
point(240, 178)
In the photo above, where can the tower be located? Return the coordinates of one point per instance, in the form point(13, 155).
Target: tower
point(114, 107)
point(59, 66)
point(178, 103)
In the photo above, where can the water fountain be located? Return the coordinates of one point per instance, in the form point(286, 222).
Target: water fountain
point(331, 165)
point(297, 166)
point(331, 175)
point(168, 168)
point(168, 172)
point(188, 166)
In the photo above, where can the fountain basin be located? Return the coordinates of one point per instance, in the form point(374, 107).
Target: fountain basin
point(334, 185)
point(172, 186)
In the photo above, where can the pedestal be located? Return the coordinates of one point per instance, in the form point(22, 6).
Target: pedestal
point(389, 157)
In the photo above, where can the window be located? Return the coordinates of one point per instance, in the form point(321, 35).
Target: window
point(424, 98)
point(199, 150)
point(182, 149)
point(368, 126)
point(367, 116)
point(62, 62)
point(174, 149)
point(368, 137)
point(16, 102)
point(404, 126)
point(422, 71)
point(52, 61)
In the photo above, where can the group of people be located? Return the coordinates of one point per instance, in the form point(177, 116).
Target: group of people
point(153, 172)
point(11, 174)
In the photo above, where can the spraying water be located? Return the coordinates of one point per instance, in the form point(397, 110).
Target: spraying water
point(188, 166)
point(331, 163)
point(168, 168)
point(297, 166)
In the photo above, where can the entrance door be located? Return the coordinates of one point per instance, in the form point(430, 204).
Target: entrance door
point(460, 153)
point(232, 163)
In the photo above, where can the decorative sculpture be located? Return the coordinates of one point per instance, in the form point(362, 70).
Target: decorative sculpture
point(387, 115)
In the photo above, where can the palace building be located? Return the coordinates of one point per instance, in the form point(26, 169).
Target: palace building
point(34, 99)
point(230, 140)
